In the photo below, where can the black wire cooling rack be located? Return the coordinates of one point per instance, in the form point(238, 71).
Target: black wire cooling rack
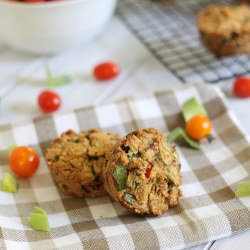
point(169, 31)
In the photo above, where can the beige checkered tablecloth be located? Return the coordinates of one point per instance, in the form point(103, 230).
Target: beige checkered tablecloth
point(207, 211)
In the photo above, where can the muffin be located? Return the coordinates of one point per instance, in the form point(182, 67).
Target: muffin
point(75, 161)
point(142, 172)
point(225, 30)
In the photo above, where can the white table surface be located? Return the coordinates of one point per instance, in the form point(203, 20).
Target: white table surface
point(22, 79)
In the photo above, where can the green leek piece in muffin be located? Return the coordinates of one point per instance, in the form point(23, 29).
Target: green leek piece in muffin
point(142, 172)
point(76, 160)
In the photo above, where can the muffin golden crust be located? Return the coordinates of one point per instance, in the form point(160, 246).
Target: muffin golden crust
point(142, 172)
point(225, 30)
point(76, 160)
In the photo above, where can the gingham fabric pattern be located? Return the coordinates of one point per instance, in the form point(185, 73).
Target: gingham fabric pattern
point(208, 209)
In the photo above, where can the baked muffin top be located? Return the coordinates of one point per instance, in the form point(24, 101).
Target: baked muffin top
point(80, 156)
point(142, 172)
point(224, 20)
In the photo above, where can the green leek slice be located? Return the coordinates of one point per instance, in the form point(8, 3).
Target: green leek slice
point(191, 108)
point(120, 175)
point(129, 198)
point(243, 189)
point(39, 210)
point(179, 132)
point(55, 81)
point(9, 183)
point(11, 147)
point(39, 220)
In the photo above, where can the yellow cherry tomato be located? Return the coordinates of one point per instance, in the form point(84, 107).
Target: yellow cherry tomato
point(24, 161)
point(198, 127)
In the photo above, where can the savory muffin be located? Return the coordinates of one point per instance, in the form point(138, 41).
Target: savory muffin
point(142, 172)
point(76, 160)
point(225, 30)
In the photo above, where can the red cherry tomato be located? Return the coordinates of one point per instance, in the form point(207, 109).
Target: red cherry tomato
point(198, 127)
point(49, 101)
point(24, 161)
point(241, 87)
point(106, 71)
point(34, 1)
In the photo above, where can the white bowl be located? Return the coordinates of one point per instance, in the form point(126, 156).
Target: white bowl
point(51, 27)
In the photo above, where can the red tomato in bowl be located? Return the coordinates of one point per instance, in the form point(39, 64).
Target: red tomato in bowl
point(23, 161)
point(33, 1)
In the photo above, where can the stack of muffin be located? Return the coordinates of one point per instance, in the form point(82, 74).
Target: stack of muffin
point(141, 171)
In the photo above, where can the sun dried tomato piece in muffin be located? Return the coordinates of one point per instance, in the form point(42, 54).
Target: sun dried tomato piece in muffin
point(75, 161)
point(225, 30)
point(142, 172)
